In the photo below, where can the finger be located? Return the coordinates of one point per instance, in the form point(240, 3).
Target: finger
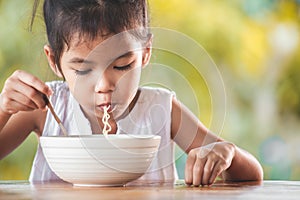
point(33, 81)
point(11, 106)
point(198, 171)
point(189, 168)
point(31, 93)
point(217, 170)
point(22, 99)
point(16, 107)
point(207, 171)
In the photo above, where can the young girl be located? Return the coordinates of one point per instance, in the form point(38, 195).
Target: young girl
point(99, 48)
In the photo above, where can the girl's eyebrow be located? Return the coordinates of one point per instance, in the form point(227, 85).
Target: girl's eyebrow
point(77, 60)
point(125, 55)
point(80, 60)
point(128, 54)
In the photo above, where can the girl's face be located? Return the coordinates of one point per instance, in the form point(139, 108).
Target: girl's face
point(104, 72)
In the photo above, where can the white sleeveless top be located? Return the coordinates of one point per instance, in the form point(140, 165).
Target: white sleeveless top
point(150, 115)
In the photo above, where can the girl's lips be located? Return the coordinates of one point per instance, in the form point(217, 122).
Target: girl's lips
point(102, 106)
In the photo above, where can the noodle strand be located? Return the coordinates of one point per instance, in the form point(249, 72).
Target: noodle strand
point(105, 118)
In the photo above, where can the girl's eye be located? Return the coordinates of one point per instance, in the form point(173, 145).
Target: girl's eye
point(123, 68)
point(82, 72)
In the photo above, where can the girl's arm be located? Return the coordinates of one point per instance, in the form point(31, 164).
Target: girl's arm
point(17, 128)
point(20, 110)
point(209, 155)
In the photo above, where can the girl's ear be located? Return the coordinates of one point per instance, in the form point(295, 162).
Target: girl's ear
point(51, 60)
point(147, 51)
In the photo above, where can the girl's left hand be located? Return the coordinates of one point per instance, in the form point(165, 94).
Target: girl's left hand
point(204, 164)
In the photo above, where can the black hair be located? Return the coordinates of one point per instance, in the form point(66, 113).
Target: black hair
point(90, 19)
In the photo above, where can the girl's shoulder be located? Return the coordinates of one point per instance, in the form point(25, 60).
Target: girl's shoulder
point(156, 91)
point(61, 92)
point(58, 86)
point(156, 95)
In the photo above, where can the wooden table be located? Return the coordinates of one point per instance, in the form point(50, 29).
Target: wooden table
point(221, 191)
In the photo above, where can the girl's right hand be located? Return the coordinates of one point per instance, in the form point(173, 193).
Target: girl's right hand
point(23, 92)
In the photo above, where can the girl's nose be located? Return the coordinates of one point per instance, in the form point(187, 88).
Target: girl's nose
point(105, 83)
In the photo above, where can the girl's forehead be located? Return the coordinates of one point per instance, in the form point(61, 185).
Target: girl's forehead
point(104, 50)
point(114, 42)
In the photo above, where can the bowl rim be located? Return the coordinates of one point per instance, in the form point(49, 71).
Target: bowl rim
point(110, 136)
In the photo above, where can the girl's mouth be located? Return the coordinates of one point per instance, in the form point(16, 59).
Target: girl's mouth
point(110, 107)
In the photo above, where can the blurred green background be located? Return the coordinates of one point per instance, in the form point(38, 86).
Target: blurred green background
point(254, 44)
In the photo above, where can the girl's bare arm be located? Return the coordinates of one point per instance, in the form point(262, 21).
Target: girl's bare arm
point(17, 128)
point(21, 109)
point(209, 155)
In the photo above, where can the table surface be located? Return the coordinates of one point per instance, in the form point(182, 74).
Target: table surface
point(219, 190)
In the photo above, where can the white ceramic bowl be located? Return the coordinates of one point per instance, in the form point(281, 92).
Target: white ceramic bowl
point(98, 160)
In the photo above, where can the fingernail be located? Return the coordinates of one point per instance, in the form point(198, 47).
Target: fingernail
point(50, 92)
point(187, 182)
